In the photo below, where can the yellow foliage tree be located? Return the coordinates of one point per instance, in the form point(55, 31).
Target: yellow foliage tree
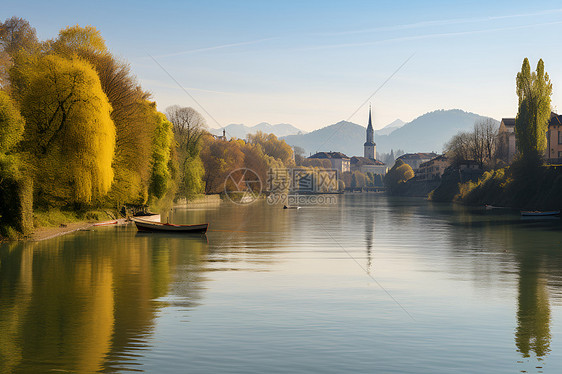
point(74, 38)
point(132, 112)
point(69, 131)
point(273, 147)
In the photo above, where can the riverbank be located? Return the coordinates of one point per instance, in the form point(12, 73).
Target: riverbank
point(515, 187)
point(44, 233)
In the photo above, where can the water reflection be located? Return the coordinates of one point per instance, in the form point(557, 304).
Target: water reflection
point(533, 312)
point(108, 300)
point(85, 303)
point(517, 246)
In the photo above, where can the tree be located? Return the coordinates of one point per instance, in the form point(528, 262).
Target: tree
point(188, 127)
point(161, 145)
point(399, 174)
point(534, 91)
point(478, 145)
point(11, 123)
point(358, 180)
point(69, 132)
point(459, 148)
point(219, 157)
point(16, 37)
point(299, 155)
point(15, 187)
point(85, 40)
point(132, 113)
point(273, 147)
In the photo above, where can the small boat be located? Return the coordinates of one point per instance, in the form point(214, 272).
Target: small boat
point(539, 213)
point(143, 225)
point(291, 207)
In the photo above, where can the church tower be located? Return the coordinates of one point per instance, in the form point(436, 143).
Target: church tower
point(370, 147)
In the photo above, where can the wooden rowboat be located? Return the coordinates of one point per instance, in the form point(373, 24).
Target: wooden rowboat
point(169, 227)
point(538, 213)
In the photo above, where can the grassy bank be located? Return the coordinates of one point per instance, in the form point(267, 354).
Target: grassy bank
point(517, 187)
point(56, 222)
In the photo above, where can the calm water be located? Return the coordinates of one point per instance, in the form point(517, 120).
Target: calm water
point(370, 285)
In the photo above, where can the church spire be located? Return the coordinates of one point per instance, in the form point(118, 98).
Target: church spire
point(370, 146)
point(370, 126)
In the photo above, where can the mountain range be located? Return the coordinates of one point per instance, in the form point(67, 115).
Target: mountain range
point(388, 129)
point(427, 133)
point(240, 131)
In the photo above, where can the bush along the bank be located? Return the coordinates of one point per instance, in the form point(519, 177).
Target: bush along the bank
point(517, 187)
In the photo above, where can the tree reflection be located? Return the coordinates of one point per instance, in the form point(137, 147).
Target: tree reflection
point(533, 313)
point(83, 303)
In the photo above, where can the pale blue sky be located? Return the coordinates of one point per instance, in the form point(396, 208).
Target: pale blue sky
point(313, 63)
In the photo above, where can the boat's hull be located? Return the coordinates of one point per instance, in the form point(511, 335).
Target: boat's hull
point(552, 213)
point(166, 227)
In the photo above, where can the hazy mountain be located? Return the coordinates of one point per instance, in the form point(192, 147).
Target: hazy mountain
point(388, 129)
point(346, 137)
point(426, 133)
point(429, 132)
point(240, 131)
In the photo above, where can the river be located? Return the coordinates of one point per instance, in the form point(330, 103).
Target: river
point(370, 284)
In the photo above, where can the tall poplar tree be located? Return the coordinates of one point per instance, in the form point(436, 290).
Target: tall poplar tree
point(534, 90)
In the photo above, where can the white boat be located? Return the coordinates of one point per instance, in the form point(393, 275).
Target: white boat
point(152, 217)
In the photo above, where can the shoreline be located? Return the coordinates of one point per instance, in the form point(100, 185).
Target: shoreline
point(45, 233)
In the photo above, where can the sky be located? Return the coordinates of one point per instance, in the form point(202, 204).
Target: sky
point(315, 63)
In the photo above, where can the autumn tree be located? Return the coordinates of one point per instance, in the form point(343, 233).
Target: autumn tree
point(273, 147)
point(69, 131)
point(399, 174)
point(16, 34)
point(11, 124)
point(219, 158)
point(534, 91)
point(132, 113)
point(256, 160)
point(17, 37)
point(15, 187)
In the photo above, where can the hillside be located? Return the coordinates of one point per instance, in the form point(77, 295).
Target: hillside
point(426, 133)
point(240, 131)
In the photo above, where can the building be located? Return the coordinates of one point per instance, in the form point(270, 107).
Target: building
point(416, 159)
point(221, 137)
point(506, 140)
point(367, 165)
point(433, 169)
point(338, 160)
point(507, 144)
point(554, 139)
point(370, 147)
